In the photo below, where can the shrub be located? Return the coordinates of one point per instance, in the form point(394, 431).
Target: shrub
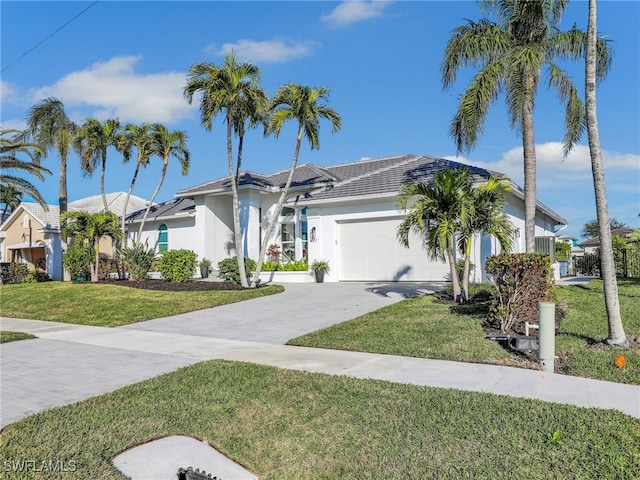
point(106, 266)
point(563, 251)
point(177, 265)
point(77, 260)
point(297, 266)
point(36, 276)
point(11, 272)
point(274, 253)
point(228, 269)
point(522, 280)
point(139, 258)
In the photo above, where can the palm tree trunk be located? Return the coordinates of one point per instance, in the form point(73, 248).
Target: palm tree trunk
point(529, 150)
point(237, 232)
point(465, 273)
point(104, 196)
point(126, 204)
point(155, 194)
point(454, 275)
point(276, 213)
point(616, 329)
point(62, 189)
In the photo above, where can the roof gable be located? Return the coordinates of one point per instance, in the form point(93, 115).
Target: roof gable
point(50, 217)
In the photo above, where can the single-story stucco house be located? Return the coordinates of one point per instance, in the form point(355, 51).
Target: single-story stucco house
point(31, 234)
point(345, 214)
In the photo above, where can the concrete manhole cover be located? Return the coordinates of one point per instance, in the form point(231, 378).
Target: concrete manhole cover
point(161, 459)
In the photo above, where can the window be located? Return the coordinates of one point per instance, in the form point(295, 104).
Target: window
point(163, 239)
point(293, 234)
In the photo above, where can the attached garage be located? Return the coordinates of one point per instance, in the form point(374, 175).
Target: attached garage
point(368, 250)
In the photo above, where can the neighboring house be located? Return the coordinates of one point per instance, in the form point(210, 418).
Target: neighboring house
point(576, 249)
point(345, 214)
point(31, 234)
point(591, 245)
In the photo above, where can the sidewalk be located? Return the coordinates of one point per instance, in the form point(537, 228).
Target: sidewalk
point(75, 356)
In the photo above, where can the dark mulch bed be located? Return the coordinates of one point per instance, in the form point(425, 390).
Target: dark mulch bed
point(189, 286)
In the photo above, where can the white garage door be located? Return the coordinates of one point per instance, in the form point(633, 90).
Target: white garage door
point(369, 251)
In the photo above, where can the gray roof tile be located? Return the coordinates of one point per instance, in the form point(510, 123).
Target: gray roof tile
point(166, 209)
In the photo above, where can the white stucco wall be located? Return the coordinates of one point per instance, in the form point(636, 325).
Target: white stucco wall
point(180, 233)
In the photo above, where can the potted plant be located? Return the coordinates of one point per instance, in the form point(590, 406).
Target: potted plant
point(205, 265)
point(319, 267)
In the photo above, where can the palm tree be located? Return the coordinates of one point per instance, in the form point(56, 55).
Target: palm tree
point(435, 211)
point(307, 106)
point(485, 216)
point(233, 90)
point(617, 335)
point(90, 228)
point(50, 127)
point(10, 197)
point(166, 144)
point(139, 137)
point(12, 147)
point(511, 55)
point(92, 140)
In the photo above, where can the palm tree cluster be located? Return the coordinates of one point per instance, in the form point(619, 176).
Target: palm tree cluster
point(233, 91)
point(511, 54)
point(49, 126)
point(448, 212)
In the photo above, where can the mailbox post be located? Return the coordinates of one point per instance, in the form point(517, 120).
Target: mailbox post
point(547, 335)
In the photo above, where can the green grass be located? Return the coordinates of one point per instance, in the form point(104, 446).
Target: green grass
point(586, 323)
point(293, 425)
point(6, 336)
point(110, 305)
point(420, 327)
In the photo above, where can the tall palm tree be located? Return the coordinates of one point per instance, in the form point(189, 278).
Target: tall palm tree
point(617, 335)
point(166, 144)
point(92, 140)
point(90, 228)
point(138, 136)
point(49, 126)
point(307, 106)
point(511, 55)
point(232, 90)
point(12, 147)
point(434, 212)
point(485, 217)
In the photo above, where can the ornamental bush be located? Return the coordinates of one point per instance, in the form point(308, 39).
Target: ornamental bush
point(228, 269)
point(139, 258)
point(522, 280)
point(177, 265)
point(36, 276)
point(12, 272)
point(77, 260)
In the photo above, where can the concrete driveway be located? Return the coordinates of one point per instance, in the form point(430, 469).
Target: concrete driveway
point(300, 309)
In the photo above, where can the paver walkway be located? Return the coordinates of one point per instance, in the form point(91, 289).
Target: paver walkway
point(68, 363)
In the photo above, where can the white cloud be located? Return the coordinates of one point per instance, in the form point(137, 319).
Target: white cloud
point(114, 89)
point(267, 51)
point(8, 92)
point(552, 166)
point(13, 124)
point(355, 11)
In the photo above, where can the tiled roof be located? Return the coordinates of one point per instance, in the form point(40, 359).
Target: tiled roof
point(305, 174)
point(595, 241)
point(50, 217)
point(170, 208)
point(115, 202)
point(388, 176)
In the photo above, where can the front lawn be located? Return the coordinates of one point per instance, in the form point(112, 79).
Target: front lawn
point(294, 425)
point(6, 336)
point(420, 327)
point(107, 305)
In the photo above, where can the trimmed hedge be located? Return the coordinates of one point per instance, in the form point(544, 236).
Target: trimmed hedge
point(11, 272)
point(177, 265)
point(522, 280)
point(228, 269)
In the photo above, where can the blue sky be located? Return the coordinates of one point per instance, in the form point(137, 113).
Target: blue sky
point(380, 60)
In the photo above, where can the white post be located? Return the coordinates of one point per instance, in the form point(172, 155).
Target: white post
point(547, 336)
